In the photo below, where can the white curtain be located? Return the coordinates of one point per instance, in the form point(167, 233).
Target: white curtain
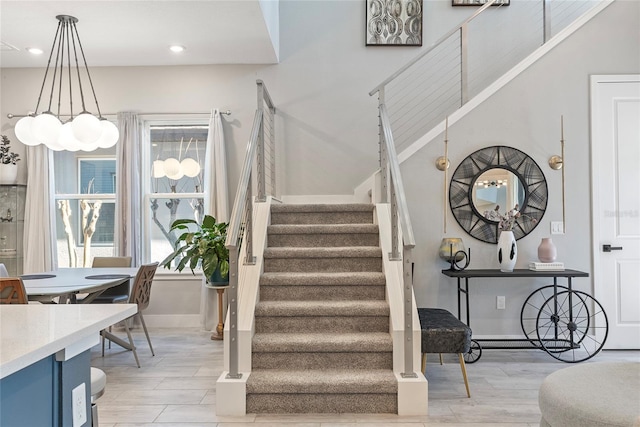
point(128, 216)
point(215, 171)
point(40, 252)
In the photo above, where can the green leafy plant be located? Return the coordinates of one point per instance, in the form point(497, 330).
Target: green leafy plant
point(204, 246)
point(6, 157)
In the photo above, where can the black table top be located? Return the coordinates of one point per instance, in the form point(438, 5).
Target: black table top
point(515, 273)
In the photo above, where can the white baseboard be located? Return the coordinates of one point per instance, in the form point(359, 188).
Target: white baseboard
point(173, 320)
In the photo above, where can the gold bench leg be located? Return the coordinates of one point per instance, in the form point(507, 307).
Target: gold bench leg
point(424, 362)
point(464, 373)
point(441, 363)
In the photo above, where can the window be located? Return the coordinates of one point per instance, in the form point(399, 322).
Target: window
point(85, 205)
point(175, 190)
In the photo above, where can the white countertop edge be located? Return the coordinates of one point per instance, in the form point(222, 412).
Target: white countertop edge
point(21, 361)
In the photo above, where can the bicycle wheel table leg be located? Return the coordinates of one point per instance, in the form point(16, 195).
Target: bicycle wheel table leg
point(474, 353)
point(531, 309)
point(572, 326)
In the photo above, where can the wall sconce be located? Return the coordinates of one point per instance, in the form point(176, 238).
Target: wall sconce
point(442, 164)
point(557, 163)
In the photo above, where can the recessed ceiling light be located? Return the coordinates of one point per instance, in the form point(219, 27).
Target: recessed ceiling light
point(35, 51)
point(176, 48)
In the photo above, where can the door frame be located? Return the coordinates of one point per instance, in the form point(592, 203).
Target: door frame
point(596, 82)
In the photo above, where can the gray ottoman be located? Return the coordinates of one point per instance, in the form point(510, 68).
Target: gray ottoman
point(592, 395)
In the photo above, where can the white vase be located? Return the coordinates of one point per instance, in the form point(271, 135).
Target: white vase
point(8, 174)
point(507, 251)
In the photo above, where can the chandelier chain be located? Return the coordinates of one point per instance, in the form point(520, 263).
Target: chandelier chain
point(46, 71)
point(93, 91)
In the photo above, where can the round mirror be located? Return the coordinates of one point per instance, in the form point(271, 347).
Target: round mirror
point(493, 182)
point(497, 190)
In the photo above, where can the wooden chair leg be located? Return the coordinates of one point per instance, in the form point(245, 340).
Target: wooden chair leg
point(424, 363)
point(133, 346)
point(441, 359)
point(464, 373)
point(144, 326)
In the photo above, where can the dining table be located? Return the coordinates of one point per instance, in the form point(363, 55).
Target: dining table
point(67, 283)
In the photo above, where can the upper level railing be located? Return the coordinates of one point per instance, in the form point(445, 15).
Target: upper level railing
point(261, 155)
point(468, 59)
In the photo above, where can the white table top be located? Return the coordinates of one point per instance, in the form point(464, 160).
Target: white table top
point(74, 280)
point(31, 332)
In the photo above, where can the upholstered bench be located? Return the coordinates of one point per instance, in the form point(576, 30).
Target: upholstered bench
point(592, 395)
point(442, 332)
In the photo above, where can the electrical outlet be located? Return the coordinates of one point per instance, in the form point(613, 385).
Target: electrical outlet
point(557, 227)
point(501, 302)
point(79, 405)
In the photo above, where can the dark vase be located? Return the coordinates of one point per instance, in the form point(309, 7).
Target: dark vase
point(216, 278)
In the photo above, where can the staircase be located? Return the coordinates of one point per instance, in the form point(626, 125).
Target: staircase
point(322, 342)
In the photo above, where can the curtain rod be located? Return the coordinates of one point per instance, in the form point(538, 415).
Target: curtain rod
point(226, 112)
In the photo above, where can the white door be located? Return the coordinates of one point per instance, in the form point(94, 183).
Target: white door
point(615, 153)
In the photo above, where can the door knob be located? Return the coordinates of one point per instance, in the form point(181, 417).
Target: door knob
point(609, 248)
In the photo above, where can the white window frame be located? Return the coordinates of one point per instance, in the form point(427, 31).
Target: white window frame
point(147, 194)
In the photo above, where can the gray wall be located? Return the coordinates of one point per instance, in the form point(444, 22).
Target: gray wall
point(320, 87)
point(329, 124)
point(525, 114)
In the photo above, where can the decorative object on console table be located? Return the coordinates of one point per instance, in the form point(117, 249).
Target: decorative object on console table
point(507, 251)
point(547, 251)
point(8, 163)
point(393, 23)
point(452, 250)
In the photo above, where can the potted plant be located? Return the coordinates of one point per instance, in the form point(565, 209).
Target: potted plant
point(202, 247)
point(8, 162)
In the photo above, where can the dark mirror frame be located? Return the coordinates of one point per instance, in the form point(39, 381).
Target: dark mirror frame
point(513, 160)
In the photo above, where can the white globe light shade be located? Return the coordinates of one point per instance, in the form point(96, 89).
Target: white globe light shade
point(86, 128)
point(66, 138)
point(158, 169)
point(109, 136)
point(23, 131)
point(173, 169)
point(190, 167)
point(46, 128)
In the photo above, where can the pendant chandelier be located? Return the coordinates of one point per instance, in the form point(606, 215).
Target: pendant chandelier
point(84, 131)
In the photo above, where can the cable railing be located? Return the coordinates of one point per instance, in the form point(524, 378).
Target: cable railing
point(261, 155)
point(393, 191)
point(469, 58)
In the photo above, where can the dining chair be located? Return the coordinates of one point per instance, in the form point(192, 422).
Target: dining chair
point(3, 271)
point(118, 293)
point(140, 295)
point(12, 291)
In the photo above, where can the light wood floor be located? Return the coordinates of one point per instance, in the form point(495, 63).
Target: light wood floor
point(177, 388)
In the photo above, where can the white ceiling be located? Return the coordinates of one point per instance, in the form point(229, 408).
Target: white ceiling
point(138, 33)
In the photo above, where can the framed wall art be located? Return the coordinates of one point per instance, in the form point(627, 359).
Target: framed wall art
point(393, 22)
point(478, 2)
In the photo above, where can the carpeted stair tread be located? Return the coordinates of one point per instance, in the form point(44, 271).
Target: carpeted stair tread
point(273, 381)
point(324, 279)
point(330, 252)
point(321, 308)
point(306, 208)
point(323, 342)
point(322, 228)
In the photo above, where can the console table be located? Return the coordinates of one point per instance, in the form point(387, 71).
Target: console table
point(569, 325)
